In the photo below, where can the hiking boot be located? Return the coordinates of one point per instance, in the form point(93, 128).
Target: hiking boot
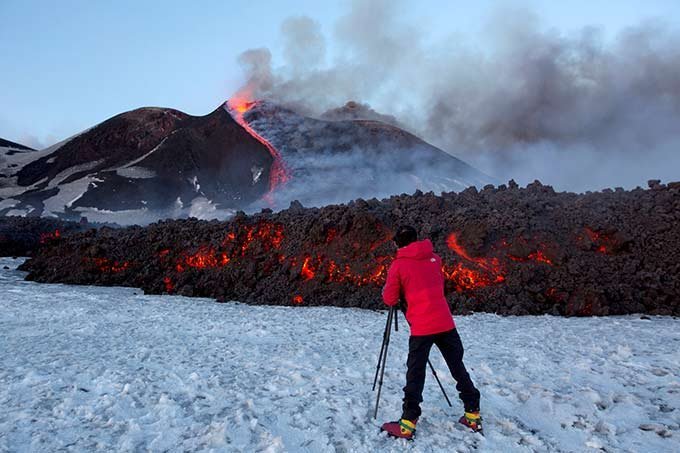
point(472, 420)
point(403, 429)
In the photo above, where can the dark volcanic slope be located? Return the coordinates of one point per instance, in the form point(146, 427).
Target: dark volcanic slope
point(8, 144)
point(506, 250)
point(112, 143)
point(148, 159)
point(335, 160)
point(154, 163)
point(211, 156)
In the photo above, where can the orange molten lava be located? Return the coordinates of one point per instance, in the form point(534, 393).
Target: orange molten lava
point(278, 173)
point(107, 266)
point(604, 243)
point(307, 271)
point(540, 257)
point(205, 257)
point(467, 278)
point(332, 272)
point(246, 242)
point(452, 242)
point(47, 237)
point(268, 235)
point(169, 287)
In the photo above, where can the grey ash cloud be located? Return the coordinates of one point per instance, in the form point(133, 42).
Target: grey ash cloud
point(578, 109)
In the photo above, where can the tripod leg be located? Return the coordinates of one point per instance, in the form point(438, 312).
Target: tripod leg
point(388, 325)
point(439, 382)
point(384, 360)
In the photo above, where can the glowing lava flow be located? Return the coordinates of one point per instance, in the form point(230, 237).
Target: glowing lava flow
point(48, 237)
point(605, 243)
point(467, 273)
point(278, 173)
point(466, 278)
point(106, 265)
point(260, 247)
point(488, 270)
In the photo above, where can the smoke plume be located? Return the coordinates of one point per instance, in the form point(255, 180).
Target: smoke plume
point(575, 109)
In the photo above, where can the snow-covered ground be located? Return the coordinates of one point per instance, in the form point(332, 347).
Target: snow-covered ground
point(86, 368)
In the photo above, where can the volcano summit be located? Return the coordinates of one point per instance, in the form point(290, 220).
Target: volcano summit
point(153, 163)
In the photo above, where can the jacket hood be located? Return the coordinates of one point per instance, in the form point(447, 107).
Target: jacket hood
point(418, 250)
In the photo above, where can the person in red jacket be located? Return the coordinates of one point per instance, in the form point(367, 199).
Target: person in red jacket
point(416, 277)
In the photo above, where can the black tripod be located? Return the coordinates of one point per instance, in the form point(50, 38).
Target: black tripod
point(380, 368)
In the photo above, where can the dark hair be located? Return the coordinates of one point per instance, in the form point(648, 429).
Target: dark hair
point(405, 235)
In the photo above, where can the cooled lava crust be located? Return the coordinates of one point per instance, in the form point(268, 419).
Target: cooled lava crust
point(506, 249)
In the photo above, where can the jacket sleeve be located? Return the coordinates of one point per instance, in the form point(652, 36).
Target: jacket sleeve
point(392, 289)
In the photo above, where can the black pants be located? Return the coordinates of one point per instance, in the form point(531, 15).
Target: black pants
point(418, 352)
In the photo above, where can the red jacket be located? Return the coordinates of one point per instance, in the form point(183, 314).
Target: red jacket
point(416, 275)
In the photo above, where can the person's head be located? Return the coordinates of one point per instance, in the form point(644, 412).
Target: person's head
point(405, 235)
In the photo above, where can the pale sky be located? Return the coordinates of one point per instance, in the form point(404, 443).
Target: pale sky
point(71, 64)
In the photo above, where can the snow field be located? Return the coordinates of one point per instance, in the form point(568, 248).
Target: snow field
point(91, 368)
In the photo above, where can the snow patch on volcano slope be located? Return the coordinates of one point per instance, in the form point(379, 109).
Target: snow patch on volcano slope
point(12, 159)
point(12, 162)
point(85, 368)
point(153, 150)
point(136, 172)
point(68, 193)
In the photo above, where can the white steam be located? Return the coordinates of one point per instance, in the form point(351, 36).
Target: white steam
point(337, 161)
point(574, 110)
